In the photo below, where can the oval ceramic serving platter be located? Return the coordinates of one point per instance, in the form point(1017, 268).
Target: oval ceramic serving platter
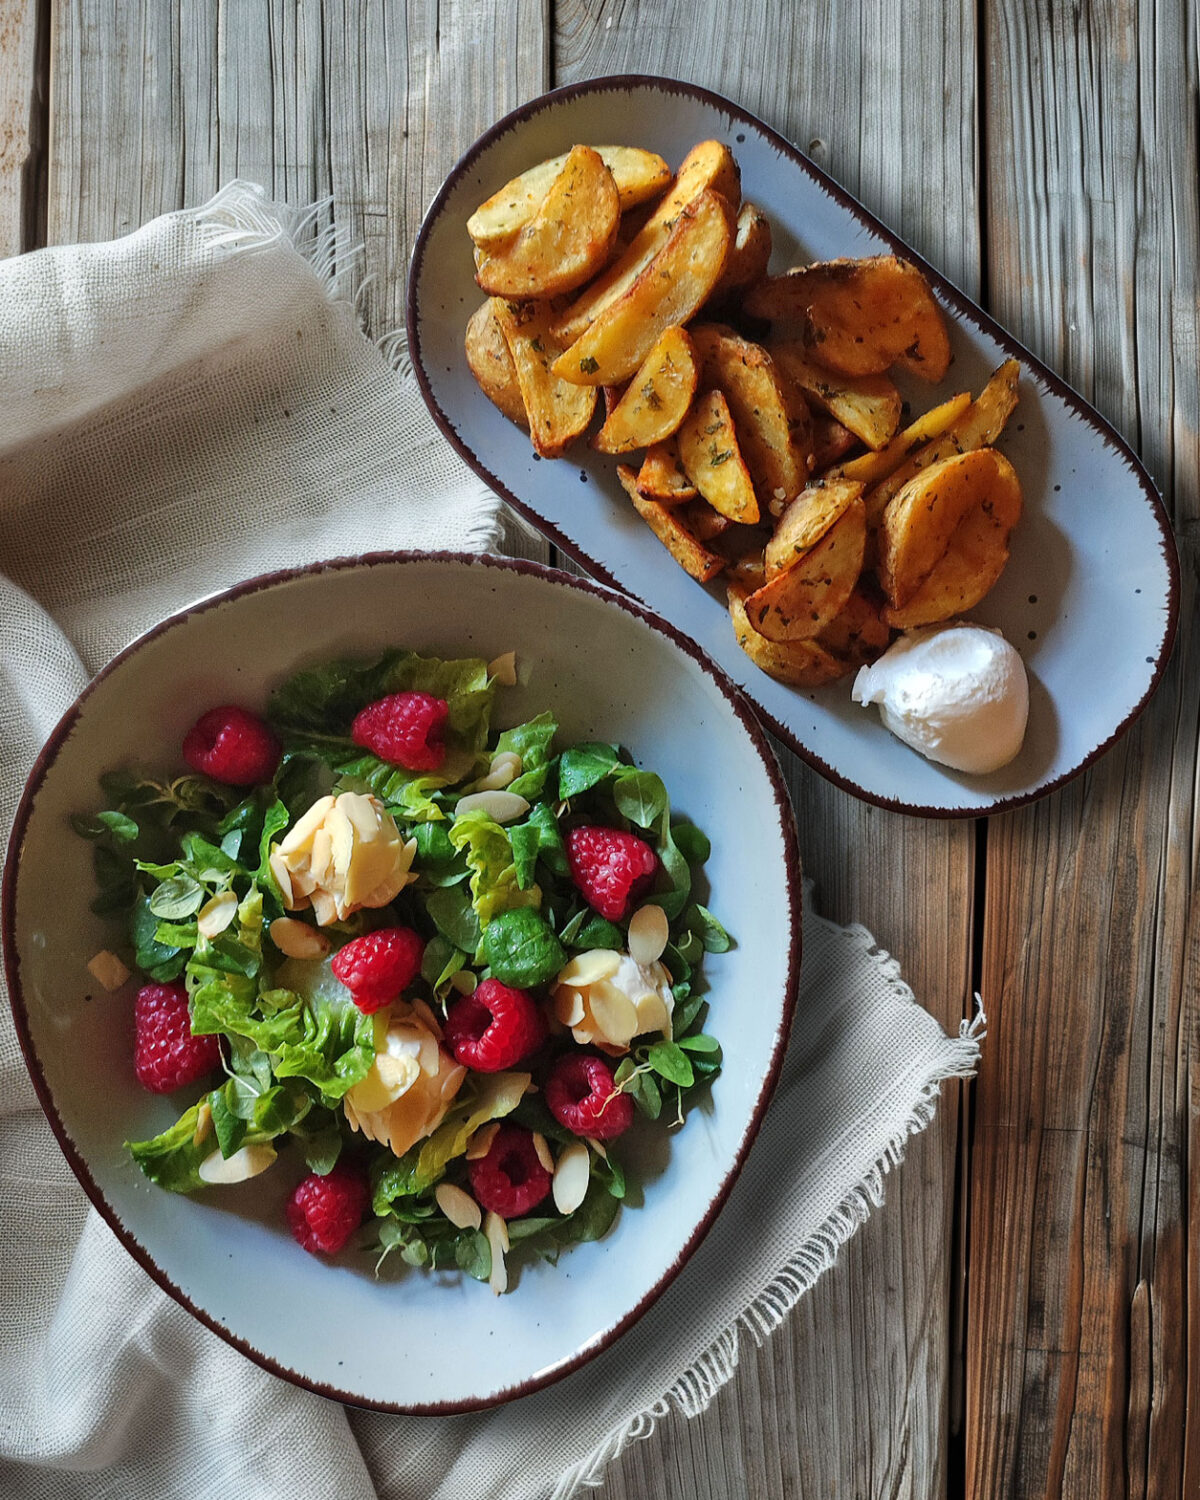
point(408, 1341)
point(1089, 596)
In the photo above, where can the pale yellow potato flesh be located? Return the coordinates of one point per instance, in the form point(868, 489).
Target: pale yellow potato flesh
point(492, 365)
point(867, 405)
point(807, 519)
point(712, 460)
point(558, 412)
point(798, 603)
point(657, 398)
point(921, 518)
point(662, 476)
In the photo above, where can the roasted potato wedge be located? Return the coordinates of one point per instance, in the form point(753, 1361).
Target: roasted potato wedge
point(830, 441)
point(858, 634)
point(710, 165)
point(712, 459)
point(704, 523)
point(557, 412)
point(921, 518)
point(971, 563)
point(807, 519)
point(871, 468)
point(762, 416)
point(859, 317)
point(664, 522)
point(566, 241)
point(639, 175)
point(662, 476)
point(799, 663)
point(797, 603)
point(492, 365)
point(671, 288)
point(749, 254)
point(866, 405)
point(657, 398)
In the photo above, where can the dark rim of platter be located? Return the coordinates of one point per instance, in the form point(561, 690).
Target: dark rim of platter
point(8, 911)
point(963, 306)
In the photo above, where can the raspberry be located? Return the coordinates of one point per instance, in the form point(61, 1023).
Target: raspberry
point(325, 1211)
point(405, 729)
point(232, 746)
point(610, 868)
point(377, 967)
point(510, 1180)
point(581, 1094)
point(493, 1028)
point(165, 1053)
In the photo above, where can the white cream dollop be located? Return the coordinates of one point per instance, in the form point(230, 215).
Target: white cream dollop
point(956, 693)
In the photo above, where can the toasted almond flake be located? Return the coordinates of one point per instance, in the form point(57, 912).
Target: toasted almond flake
point(504, 669)
point(324, 908)
point(501, 807)
point(587, 968)
point(245, 1163)
point(613, 1012)
point(465, 981)
point(571, 1177)
point(648, 934)
point(481, 1141)
point(397, 1074)
point(424, 1011)
point(496, 1231)
point(459, 1207)
point(584, 1035)
point(283, 879)
point(297, 939)
point(652, 1013)
point(430, 1054)
point(107, 970)
point(215, 915)
point(505, 768)
point(598, 1147)
point(203, 1123)
point(568, 1005)
point(306, 826)
point(542, 1146)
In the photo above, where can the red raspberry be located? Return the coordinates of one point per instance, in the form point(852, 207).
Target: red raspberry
point(325, 1211)
point(165, 1053)
point(379, 966)
point(610, 868)
point(232, 746)
point(581, 1094)
point(494, 1027)
point(510, 1180)
point(405, 729)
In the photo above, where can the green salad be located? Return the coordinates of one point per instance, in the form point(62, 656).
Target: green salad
point(429, 971)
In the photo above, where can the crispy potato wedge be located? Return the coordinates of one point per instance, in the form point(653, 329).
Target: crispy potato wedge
point(662, 477)
point(708, 165)
point(764, 419)
point(797, 603)
point(977, 425)
point(712, 459)
point(807, 519)
point(867, 405)
point(566, 241)
point(921, 518)
point(664, 522)
point(557, 412)
point(749, 254)
point(858, 634)
point(830, 441)
point(859, 317)
point(491, 363)
point(871, 468)
point(612, 398)
point(971, 563)
point(675, 283)
point(705, 523)
point(657, 398)
point(639, 175)
point(798, 663)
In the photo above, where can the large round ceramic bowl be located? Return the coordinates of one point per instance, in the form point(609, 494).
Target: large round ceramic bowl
point(610, 670)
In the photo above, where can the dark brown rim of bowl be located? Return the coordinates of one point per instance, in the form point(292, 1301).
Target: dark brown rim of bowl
point(43, 767)
point(963, 306)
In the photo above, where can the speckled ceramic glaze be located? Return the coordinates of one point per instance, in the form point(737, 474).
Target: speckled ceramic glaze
point(610, 671)
point(1089, 596)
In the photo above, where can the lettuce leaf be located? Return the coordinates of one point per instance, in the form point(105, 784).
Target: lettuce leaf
point(495, 883)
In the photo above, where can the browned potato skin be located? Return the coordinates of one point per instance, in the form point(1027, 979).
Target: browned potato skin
point(807, 519)
point(690, 554)
point(869, 406)
point(657, 398)
point(799, 602)
point(712, 459)
point(749, 255)
point(873, 468)
point(803, 664)
point(662, 476)
point(568, 239)
point(830, 441)
point(558, 413)
point(920, 520)
point(492, 365)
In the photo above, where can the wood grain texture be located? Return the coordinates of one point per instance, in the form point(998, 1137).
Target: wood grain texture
point(1082, 1373)
point(851, 1396)
point(22, 105)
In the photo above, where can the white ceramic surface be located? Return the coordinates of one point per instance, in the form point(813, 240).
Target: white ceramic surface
point(1089, 596)
point(609, 672)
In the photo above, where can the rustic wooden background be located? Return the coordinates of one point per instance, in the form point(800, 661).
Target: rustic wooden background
point(1022, 1318)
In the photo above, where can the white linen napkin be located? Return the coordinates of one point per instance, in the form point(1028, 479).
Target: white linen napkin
point(180, 409)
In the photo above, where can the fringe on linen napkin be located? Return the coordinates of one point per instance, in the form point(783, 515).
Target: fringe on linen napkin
point(179, 409)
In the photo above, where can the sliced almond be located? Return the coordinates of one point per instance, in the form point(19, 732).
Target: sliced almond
point(504, 669)
point(501, 807)
point(568, 1005)
point(496, 1231)
point(297, 939)
point(283, 879)
point(481, 1142)
point(542, 1147)
point(452, 1082)
point(245, 1163)
point(506, 766)
point(648, 934)
point(652, 1013)
point(613, 1012)
point(215, 915)
point(422, 1009)
point(587, 968)
point(571, 1177)
point(306, 826)
point(108, 970)
point(459, 1207)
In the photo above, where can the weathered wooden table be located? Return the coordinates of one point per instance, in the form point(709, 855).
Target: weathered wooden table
point(1022, 1318)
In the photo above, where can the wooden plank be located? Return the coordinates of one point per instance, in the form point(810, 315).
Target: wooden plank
point(850, 1396)
point(22, 106)
point(1085, 1228)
